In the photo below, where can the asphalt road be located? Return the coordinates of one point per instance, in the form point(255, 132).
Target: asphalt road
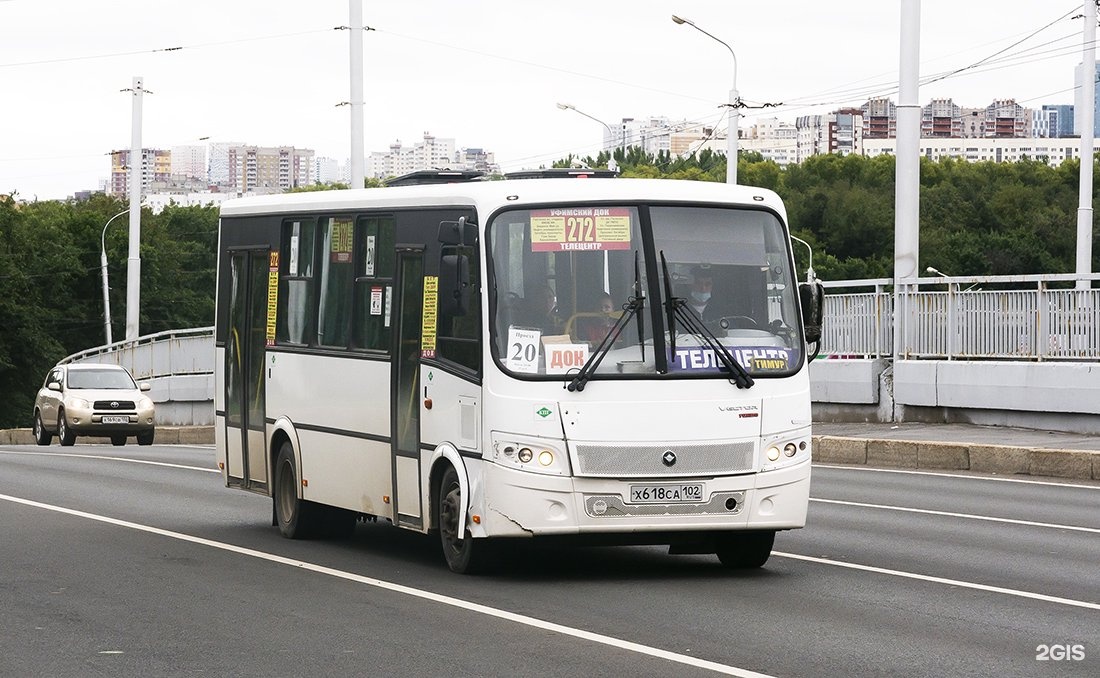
point(138, 562)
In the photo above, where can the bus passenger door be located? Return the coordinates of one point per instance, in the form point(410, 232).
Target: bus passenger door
point(405, 389)
point(246, 458)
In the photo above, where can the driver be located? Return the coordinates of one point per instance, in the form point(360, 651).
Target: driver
point(702, 284)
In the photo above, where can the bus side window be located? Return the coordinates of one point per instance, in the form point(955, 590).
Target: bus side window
point(374, 269)
point(295, 300)
point(336, 282)
point(458, 337)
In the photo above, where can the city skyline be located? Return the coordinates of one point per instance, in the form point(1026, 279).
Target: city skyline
point(487, 73)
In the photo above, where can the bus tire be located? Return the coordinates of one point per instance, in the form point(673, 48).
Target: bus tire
point(64, 433)
point(745, 550)
point(296, 518)
point(465, 555)
point(41, 435)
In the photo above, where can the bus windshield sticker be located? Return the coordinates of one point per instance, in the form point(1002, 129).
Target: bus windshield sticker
point(369, 268)
point(272, 295)
point(755, 359)
point(427, 326)
point(292, 269)
point(563, 357)
point(580, 229)
point(342, 236)
point(523, 350)
point(389, 304)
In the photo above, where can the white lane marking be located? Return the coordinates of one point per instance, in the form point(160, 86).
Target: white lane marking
point(955, 475)
point(942, 580)
point(409, 591)
point(949, 514)
point(104, 457)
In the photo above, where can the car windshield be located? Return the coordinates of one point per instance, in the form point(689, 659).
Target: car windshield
point(105, 379)
point(573, 282)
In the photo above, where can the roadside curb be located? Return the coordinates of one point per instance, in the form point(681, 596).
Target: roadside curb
point(165, 435)
point(906, 454)
point(999, 459)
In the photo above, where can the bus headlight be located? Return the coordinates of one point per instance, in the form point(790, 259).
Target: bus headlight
point(786, 450)
point(532, 454)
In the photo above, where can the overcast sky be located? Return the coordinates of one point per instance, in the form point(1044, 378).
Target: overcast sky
point(486, 73)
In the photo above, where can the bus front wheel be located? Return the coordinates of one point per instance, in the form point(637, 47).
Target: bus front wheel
point(464, 554)
point(294, 516)
point(745, 550)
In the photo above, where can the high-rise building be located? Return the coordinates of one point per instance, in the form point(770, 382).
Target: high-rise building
point(1006, 119)
point(269, 169)
point(218, 168)
point(1078, 81)
point(880, 119)
point(189, 163)
point(156, 165)
point(1054, 121)
point(941, 118)
point(326, 170)
point(430, 153)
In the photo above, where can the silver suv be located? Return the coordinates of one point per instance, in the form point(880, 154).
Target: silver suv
point(92, 400)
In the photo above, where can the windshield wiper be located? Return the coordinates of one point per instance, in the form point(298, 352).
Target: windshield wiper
point(634, 307)
point(677, 308)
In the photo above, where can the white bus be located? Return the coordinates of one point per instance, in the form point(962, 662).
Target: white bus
point(521, 358)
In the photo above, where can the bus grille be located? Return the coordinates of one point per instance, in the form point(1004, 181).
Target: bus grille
point(649, 460)
point(613, 506)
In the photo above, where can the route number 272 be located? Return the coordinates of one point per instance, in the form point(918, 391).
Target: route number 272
point(580, 229)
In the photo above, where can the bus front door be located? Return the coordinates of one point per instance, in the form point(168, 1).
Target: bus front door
point(405, 416)
point(245, 343)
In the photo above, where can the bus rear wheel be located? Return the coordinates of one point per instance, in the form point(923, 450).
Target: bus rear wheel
point(745, 550)
point(464, 554)
point(295, 517)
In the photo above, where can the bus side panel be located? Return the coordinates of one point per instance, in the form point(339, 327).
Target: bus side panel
point(340, 408)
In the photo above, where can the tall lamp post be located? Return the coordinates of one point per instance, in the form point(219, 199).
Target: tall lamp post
point(103, 269)
point(735, 112)
point(571, 107)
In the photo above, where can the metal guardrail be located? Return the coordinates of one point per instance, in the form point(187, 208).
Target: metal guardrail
point(164, 354)
point(956, 318)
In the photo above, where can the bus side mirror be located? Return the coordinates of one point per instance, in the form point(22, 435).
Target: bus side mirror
point(454, 284)
point(457, 233)
point(812, 296)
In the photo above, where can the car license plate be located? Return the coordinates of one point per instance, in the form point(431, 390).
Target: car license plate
point(666, 494)
point(106, 419)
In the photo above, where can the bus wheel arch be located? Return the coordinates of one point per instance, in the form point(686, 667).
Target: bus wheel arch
point(450, 508)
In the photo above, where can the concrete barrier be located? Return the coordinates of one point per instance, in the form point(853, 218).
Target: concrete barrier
point(995, 459)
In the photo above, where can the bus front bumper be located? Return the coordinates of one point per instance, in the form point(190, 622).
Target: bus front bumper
point(528, 505)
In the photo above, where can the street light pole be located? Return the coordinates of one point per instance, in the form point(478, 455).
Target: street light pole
point(103, 269)
point(571, 107)
point(734, 103)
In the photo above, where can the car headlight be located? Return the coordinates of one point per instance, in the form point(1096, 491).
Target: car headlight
point(78, 404)
point(530, 454)
point(782, 451)
point(144, 402)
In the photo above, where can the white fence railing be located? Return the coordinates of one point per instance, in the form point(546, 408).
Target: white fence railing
point(1033, 317)
point(164, 354)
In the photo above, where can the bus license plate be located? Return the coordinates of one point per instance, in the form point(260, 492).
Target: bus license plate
point(666, 494)
point(115, 420)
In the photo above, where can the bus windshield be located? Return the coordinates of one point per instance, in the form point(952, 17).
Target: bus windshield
point(573, 282)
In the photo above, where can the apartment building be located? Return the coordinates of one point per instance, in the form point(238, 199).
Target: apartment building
point(268, 169)
point(156, 166)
